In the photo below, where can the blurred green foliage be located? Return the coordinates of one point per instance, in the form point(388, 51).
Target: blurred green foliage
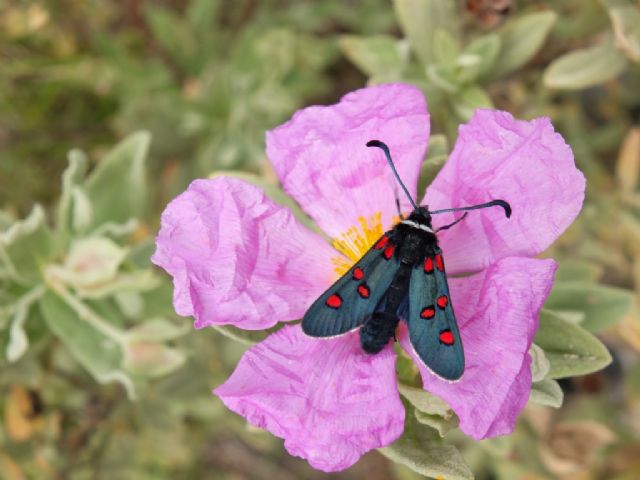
point(100, 379)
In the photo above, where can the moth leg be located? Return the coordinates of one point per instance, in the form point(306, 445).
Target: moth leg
point(446, 227)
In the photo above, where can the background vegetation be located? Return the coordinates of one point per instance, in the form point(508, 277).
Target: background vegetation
point(108, 109)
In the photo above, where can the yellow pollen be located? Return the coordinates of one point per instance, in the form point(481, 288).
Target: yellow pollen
point(355, 242)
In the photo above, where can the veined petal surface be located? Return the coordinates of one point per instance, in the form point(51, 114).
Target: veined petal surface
point(330, 401)
point(239, 258)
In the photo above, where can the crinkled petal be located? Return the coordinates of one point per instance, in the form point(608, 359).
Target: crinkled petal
point(497, 312)
point(321, 157)
point(329, 400)
point(525, 163)
point(238, 258)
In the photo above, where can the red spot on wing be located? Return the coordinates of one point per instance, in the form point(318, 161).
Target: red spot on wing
point(380, 244)
point(442, 301)
point(446, 337)
point(428, 313)
point(334, 301)
point(358, 274)
point(439, 263)
point(363, 290)
point(388, 252)
point(428, 265)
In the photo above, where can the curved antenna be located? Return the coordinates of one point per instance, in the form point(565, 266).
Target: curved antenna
point(385, 149)
point(492, 203)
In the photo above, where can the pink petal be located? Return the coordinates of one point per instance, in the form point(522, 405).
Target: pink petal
point(525, 163)
point(321, 157)
point(237, 257)
point(329, 400)
point(497, 312)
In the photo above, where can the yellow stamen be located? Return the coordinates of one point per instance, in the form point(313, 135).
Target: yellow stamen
point(355, 242)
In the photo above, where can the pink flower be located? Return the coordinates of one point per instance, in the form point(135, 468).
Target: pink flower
point(238, 258)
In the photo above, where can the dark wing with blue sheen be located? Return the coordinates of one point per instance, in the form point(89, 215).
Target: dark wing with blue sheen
point(433, 330)
point(346, 304)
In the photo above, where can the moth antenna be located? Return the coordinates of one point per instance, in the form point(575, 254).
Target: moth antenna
point(385, 149)
point(492, 203)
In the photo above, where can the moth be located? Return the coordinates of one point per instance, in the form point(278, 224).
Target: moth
point(401, 278)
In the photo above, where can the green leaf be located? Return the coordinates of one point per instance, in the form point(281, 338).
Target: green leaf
point(81, 211)
point(419, 20)
point(625, 20)
point(151, 359)
point(469, 99)
point(442, 77)
point(375, 55)
point(92, 262)
point(157, 330)
point(478, 58)
point(441, 424)
point(26, 247)
point(446, 48)
point(520, 39)
point(585, 68)
point(117, 187)
point(539, 364)
point(577, 270)
point(425, 401)
point(132, 282)
point(99, 353)
point(437, 155)
point(547, 392)
point(570, 349)
point(424, 456)
point(18, 341)
point(71, 179)
point(602, 305)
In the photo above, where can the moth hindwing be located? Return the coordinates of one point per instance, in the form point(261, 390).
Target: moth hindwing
point(433, 330)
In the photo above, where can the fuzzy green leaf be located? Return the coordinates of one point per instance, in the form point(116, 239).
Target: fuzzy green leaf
point(25, 247)
point(547, 392)
point(151, 359)
point(425, 456)
point(420, 19)
point(520, 39)
point(469, 99)
point(480, 55)
point(99, 353)
point(569, 270)
point(570, 349)
point(117, 188)
point(380, 55)
point(441, 424)
point(71, 180)
point(603, 306)
point(539, 363)
point(425, 401)
point(625, 20)
point(586, 67)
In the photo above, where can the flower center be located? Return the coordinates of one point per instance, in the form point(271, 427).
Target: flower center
point(355, 242)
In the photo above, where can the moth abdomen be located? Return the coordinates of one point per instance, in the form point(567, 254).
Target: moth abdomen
point(378, 329)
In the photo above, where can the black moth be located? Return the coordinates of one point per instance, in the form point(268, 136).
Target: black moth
point(401, 277)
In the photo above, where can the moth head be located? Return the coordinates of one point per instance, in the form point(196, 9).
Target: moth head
point(421, 215)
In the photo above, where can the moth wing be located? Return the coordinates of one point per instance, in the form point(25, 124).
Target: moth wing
point(354, 296)
point(433, 330)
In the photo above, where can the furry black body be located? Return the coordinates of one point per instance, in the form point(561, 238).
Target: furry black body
point(414, 245)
